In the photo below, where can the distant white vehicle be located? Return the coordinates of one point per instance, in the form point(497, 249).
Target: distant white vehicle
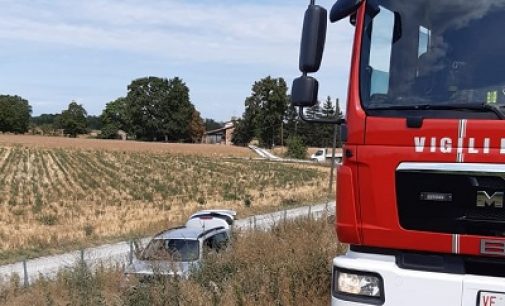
point(324, 155)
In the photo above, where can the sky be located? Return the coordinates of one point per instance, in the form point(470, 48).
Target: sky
point(56, 51)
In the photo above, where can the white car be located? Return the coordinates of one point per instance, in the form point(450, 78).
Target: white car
point(177, 252)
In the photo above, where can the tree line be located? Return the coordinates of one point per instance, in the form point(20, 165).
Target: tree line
point(154, 109)
point(160, 109)
point(270, 118)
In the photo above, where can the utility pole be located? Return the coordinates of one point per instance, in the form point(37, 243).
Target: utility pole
point(334, 147)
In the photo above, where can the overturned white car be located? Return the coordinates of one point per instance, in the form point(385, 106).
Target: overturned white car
point(178, 251)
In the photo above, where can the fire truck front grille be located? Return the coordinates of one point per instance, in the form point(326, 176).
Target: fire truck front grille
point(457, 202)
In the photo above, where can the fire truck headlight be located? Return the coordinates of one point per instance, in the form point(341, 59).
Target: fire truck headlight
point(358, 286)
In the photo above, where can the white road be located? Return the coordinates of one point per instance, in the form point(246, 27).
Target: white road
point(264, 153)
point(119, 253)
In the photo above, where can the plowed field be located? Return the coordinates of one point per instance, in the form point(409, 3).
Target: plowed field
point(54, 198)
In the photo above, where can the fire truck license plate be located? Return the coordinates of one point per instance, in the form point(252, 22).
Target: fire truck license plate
point(491, 299)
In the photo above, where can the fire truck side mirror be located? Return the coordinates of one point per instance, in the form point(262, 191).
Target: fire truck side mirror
point(304, 91)
point(313, 38)
point(344, 8)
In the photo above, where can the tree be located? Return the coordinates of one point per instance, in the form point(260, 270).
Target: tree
point(46, 123)
point(73, 120)
point(44, 119)
point(179, 112)
point(264, 114)
point(327, 130)
point(328, 111)
point(15, 114)
point(159, 109)
point(291, 122)
point(114, 118)
point(196, 128)
point(272, 98)
point(296, 148)
point(245, 128)
point(94, 122)
point(244, 132)
point(211, 124)
point(320, 135)
point(314, 111)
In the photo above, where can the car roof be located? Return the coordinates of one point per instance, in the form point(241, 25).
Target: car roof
point(226, 212)
point(229, 216)
point(187, 233)
point(206, 217)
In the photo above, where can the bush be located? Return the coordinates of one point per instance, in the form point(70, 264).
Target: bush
point(48, 219)
point(247, 201)
point(88, 230)
point(296, 148)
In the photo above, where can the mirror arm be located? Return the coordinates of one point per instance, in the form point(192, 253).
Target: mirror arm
point(323, 121)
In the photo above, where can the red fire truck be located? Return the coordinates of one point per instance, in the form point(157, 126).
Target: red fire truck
point(422, 186)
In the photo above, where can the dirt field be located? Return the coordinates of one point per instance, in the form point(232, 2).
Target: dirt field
point(54, 198)
point(126, 146)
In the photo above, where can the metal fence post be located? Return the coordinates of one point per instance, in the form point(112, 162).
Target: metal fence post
point(130, 257)
point(82, 263)
point(254, 222)
point(285, 215)
point(310, 211)
point(26, 282)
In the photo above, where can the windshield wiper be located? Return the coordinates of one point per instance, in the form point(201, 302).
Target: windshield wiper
point(464, 106)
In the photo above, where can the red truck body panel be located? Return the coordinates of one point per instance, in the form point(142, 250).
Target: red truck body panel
point(367, 212)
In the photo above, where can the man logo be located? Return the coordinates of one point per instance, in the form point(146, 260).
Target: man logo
point(484, 200)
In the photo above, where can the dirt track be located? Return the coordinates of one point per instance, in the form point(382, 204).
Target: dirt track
point(127, 146)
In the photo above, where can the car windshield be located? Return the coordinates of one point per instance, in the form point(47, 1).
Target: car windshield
point(177, 250)
point(433, 53)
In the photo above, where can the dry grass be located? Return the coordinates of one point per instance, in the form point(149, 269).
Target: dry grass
point(125, 146)
point(289, 266)
point(57, 199)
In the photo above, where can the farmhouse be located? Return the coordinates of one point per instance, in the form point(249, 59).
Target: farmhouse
point(223, 135)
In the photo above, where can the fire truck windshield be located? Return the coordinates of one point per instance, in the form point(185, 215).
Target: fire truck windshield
point(434, 55)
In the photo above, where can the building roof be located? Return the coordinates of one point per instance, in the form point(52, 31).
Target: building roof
point(221, 130)
point(227, 126)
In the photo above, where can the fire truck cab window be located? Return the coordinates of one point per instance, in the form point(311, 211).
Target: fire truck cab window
point(424, 40)
point(381, 41)
point(434, 52)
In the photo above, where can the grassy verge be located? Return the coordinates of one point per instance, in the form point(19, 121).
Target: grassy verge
point(290, 265)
